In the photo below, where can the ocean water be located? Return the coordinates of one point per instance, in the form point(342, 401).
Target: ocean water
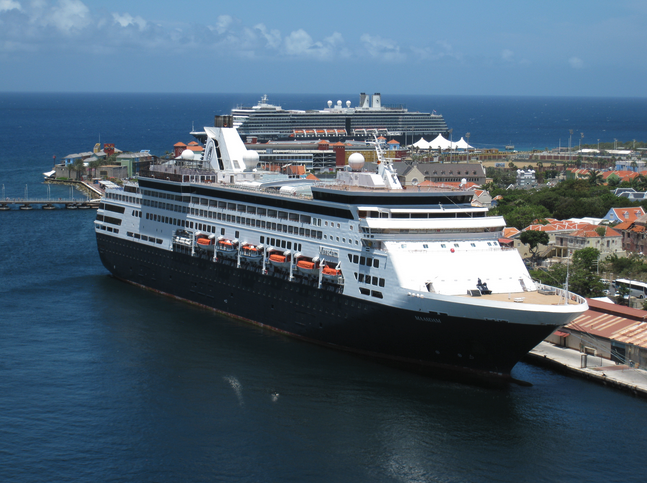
point(103, 381)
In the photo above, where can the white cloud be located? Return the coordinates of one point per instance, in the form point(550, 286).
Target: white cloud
point(380, 48)
point(300, 43)
point(576, 62)
point(67, 15)
point(223, 22)
point(272, 37)
point(442, 49)
point(6, 5)
point(507, 55)
point(126, 19)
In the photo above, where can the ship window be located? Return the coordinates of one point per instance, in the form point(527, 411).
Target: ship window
point(381, 282)
point(222, 231)
point(262, 239)
point(237, 219)
point(369, 261)
point(368, 279)
point(361, 277)
point(261, 211)
point(377, 294)
point(294, 217)
point(456, 245)
point(237, 234)
point(362, 260)
point(343, 240)
point(241, 208)
point(271, 213)
point(350, 257)
point(195, 200)
point(355, 259)
point(305, 219)
point(473, 245)
point(283, 244)
point(273, 227)
point(283, 215)
point(375, 280)
point(289, 245)
point(222, 205)
point(364, 291)
point(290, 228)
point(144, 237)
point(204, 201)
point(231, 206)
point(355, 273)
point(213, 203)
point(376, 263)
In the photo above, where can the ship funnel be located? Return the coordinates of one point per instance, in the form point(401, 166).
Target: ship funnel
point(377, 101)
point(363, 100)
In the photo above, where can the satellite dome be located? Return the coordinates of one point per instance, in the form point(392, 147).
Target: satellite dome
point(187, 155)
point(356, 161)
point(329, 104)
point(348, 104)
point(338, 103)
point(463, 181)
point(250, 158)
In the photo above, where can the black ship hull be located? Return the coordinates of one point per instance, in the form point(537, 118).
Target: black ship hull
point(430, 343)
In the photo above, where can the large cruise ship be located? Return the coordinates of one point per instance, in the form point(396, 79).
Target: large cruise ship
point(336, 122)
point(416, 277)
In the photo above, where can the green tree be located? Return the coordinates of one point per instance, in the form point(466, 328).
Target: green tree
point(534, 238)
point(525, 215)
point(79, 167)
point(586, 259)
point(595, 178)
point(613, 180)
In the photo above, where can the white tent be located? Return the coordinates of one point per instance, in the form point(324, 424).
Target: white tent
point(462, 145)
point(421, 144)
point(440, 143)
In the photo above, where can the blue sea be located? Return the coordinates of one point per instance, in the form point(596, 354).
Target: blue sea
point(101, 381)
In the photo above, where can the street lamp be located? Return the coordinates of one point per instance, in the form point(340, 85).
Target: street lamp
point(451, 140)
point(570, 155)
point(468, 146)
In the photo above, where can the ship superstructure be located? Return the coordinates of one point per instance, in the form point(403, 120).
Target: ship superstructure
point(337, 122)
point(417, 277)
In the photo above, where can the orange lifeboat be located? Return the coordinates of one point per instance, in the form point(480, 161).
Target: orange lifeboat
point(251, 253)
point(226, 248)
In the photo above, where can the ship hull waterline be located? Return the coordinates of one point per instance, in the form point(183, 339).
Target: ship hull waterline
point(468, 349)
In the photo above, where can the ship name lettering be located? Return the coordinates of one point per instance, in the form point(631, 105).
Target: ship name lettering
point(427, 319)
point(329, 252)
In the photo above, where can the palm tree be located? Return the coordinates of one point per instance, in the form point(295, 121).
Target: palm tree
point(79, 167)
point(595, 178)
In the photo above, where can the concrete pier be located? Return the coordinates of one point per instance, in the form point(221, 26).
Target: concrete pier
point(594, 368)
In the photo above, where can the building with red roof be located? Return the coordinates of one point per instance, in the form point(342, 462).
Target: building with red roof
point(607, 330)
point(619, 215)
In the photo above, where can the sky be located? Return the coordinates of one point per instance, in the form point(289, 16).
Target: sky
point(427, 47)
